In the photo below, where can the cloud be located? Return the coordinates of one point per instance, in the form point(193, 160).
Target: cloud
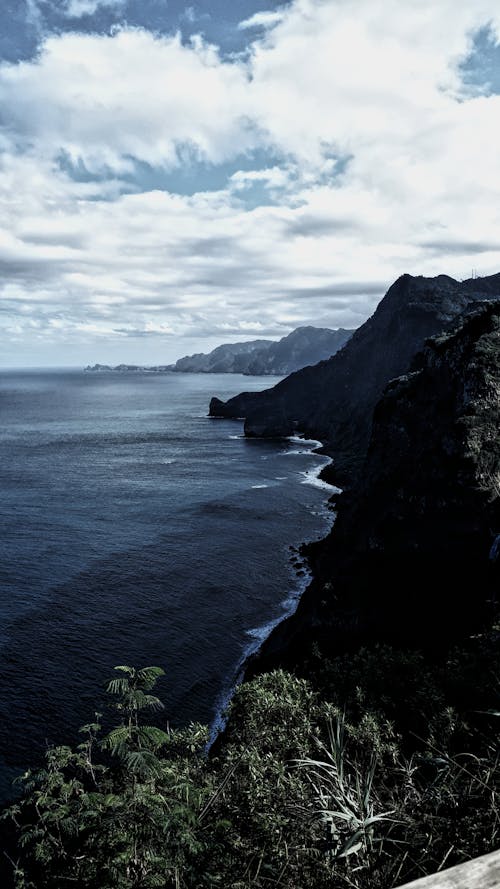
point(189, 14)
point(77, 8)
point(262, 20)
point(307, 225)
point(273, 177)
point(149, 330)
point(33, 16)
point(463, 248)
point(384, 160)
point(104, 100)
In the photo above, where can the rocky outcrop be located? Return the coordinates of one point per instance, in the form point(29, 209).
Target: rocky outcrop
point(414, 556)
point(334, 400)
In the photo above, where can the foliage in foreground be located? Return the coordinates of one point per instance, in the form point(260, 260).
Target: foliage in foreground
point(379, 768)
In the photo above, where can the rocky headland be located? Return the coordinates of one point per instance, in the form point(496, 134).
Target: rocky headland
point(334, 400)
point(414, 556)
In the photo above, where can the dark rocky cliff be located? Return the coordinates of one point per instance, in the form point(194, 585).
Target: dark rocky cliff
point(334, 400)
point(414, 556)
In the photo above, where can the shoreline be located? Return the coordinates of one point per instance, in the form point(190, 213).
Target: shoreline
point(300, 562)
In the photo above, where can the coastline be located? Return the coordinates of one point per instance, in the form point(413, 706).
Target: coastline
point(299, 560)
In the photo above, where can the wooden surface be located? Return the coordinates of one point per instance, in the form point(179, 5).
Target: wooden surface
point(481, 873)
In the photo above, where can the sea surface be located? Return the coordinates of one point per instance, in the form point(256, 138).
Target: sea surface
point(135, 530)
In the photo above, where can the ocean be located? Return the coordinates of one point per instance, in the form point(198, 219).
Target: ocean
point(135, 530)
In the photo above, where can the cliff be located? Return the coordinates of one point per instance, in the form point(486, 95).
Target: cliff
point(334, 400)
point(414, 556)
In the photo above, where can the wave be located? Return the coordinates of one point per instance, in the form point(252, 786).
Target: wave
point(311, 446)
point(258, 635)
point(312, 477)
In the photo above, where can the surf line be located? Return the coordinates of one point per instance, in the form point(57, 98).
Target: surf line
point(258, 635)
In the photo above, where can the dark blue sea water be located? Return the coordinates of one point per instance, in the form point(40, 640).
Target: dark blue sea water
point(135, 530)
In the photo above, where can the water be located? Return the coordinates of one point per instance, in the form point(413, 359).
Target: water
point(135, 530)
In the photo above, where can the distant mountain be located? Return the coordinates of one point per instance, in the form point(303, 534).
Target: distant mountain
point(334, 400)
point(305, 345)
point(228, 358)
point(126, 368)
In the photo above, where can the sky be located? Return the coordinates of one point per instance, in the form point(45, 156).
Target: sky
point(176, 176)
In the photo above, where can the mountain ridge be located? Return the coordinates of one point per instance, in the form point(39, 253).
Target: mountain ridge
point(303, 346)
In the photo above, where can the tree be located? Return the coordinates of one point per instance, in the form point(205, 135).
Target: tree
point(114, 814)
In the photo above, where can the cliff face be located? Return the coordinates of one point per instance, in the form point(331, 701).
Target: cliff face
point(414, 556)
point(334, 400)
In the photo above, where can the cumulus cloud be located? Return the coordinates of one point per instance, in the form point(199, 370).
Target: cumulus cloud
point(382, 160)
point(105, 100)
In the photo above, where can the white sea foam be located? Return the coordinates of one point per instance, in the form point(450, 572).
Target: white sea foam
point(311, 477)
point(313, 443)
point(168, 461)
point(310, 446)
point(258, 636)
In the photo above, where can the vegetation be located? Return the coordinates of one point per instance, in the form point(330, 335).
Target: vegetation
point(370, 770)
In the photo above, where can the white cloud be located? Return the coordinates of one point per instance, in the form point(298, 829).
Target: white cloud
point(271, 177)
point(261, 20)
point(105, 100)
point(415, 187)
point(34, 17)
point(78, 8)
